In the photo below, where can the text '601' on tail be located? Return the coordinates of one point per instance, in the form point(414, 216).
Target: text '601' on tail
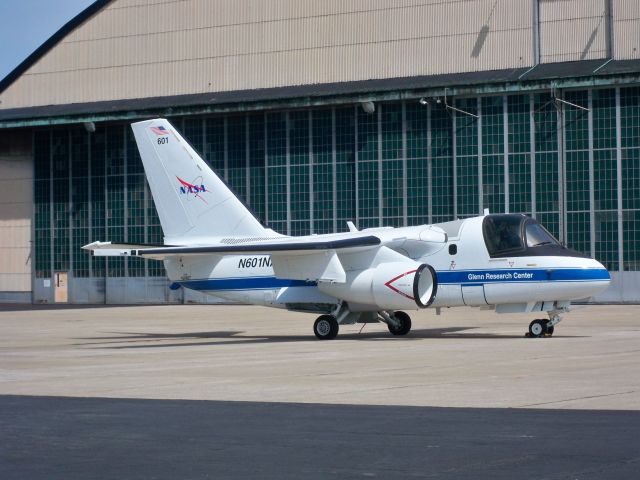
point(193, 204)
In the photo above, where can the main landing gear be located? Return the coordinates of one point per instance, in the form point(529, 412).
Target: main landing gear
point(399, 323)
point(542, 327)
point(326, 327)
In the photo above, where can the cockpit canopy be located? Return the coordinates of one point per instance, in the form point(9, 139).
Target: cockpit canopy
point(516, 235)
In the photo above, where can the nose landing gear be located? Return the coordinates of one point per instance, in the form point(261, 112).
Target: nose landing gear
point(542, 327)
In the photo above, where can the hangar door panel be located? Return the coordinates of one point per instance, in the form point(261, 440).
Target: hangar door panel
point(61, 287)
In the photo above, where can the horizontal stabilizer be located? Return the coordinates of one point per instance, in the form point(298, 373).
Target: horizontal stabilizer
point(128, 246)
point(108, 249)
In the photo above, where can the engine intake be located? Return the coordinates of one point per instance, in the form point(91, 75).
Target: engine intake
point(388, 286)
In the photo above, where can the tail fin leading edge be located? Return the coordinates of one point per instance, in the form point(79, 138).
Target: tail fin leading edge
point(192, 202)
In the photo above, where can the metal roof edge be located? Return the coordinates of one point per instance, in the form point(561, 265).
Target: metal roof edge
point(304, 96)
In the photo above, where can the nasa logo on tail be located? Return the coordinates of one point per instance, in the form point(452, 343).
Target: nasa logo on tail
point(195, 189)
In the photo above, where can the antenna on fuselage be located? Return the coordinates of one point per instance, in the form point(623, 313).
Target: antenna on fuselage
point(352, 227)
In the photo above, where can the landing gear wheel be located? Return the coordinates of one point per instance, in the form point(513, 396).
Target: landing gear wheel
point(537, 328)
point(326, 327)
point(404, 326)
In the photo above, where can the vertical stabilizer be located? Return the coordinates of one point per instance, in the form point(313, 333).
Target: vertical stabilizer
point(192, 202)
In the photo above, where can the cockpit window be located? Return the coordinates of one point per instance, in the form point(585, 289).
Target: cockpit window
point(537, 235)
point(515, 235)
point(503, 233)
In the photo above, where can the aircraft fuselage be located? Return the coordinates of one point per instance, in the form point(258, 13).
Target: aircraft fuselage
point(529, 278)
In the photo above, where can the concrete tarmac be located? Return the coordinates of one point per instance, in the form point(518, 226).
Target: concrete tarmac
point(248, 392)
point(463, 358)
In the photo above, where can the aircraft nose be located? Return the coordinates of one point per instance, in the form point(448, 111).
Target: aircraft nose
point(601, 270)
point(600, 277)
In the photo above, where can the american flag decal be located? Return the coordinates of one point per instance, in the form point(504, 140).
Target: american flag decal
point(160, 130)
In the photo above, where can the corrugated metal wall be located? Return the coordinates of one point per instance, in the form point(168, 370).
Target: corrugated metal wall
point(626, 29)
point(573, 30)
point(16, 210)
point(136, 49)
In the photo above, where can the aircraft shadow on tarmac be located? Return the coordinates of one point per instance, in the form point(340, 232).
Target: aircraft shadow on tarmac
point(129, 340)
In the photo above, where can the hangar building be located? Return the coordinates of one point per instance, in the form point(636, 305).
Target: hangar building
point(384, 112)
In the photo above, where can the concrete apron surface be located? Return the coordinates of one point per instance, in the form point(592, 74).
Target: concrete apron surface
point(462, 358)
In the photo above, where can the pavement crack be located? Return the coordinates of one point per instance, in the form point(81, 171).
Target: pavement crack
point(577, 398)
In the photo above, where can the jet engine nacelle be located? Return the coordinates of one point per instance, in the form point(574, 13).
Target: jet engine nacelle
point(388, 286)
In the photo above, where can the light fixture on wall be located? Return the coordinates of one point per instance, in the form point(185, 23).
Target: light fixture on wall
point(423, 101)
point(368, 107)
point(89, 127)
point(456, 109)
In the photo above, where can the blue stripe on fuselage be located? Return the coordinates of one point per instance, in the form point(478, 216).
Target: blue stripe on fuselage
point(243, 283)
point(509, 275)
point(461, 277)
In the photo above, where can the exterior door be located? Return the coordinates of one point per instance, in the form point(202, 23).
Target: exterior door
point(61, 294)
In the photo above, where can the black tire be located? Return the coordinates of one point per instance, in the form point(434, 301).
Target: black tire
point(536, 328)
point(326, 327)
point(405, 324)
point(548, 329)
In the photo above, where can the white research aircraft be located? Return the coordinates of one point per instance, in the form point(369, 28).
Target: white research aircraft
point(213, 244)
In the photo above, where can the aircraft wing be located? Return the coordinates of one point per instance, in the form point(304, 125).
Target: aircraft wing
point(305, 260)
point(159, 252)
